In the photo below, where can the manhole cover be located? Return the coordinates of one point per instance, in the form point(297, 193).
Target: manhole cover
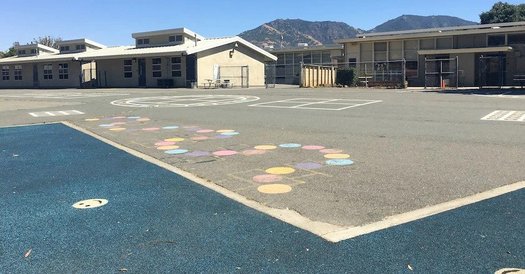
point(91, 203)
point(184, 101)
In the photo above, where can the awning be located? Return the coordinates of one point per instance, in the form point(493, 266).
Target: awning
point(466, 50)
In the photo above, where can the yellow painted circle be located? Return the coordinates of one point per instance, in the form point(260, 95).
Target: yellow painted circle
point(280, 170)
point(336, 156)
point(224, 130)
point(91, 119)
point(174, 139)
point(167, 147)
point(117, 129)
point(91, 203)
point(274, 189)
point(265, 147)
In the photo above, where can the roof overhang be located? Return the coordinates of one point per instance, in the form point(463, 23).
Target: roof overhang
point(467, 50)
point(82, 41)
point(167, 32)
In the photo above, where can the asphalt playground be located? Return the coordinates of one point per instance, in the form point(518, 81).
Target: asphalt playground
point(261, 180)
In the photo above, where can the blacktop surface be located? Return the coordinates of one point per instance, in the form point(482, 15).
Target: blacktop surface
point(275, 180)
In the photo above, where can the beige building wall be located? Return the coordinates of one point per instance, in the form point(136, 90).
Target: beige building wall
point(28, 80)
point(242, 56)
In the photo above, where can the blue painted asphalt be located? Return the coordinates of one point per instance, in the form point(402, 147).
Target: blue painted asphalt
point(157, 221)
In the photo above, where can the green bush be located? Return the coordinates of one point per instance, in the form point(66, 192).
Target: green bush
point(346, 77)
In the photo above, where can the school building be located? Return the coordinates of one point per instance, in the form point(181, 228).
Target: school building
point(164, 58)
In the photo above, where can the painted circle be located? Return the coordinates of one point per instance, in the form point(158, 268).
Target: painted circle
point(143, 119)
point(119, 123)
point(313, 147)
point(337, 156)
point(330, 151)
point(105, 125)
point(176, 151)
point(233, 133)
point(251, 152)
point(274, 189)
point(90, 203)
point(290, 145)
point(119, 117)
point(280, 170)
point(267, 178)
point(117, 129)
point(205, 130)
point(222, 136)
point(91, 119)
point(164, 143)
point(151, 129)
point(134, 117)
point(225, 130)
point(308, 165)
point(184, 101)
point(265, 147)
point(225, 153)
point(339, 162)
point(175, 139)
point(170, 127)
point(167, 147)
point(197, 153)
point(200, 138)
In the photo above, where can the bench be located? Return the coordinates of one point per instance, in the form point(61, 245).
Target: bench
point(519, 78)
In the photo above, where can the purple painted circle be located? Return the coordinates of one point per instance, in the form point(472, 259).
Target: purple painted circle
point(225, 153)
point(267, 178)
point(290, 145)
point(222, 136)
point(198, 153)
point(313, 147)
point(308, 165)
point(251, 152)
point(176, 151)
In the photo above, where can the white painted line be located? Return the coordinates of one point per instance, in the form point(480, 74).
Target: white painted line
point(491, 114)
point(33, 114)
point(522, 118)
point(510, 113)
point(403, 218)
point(49, 113)
point(64, 112)
point(76, 111)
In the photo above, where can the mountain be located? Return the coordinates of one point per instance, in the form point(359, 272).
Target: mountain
point(290, 32)
point(410, 22)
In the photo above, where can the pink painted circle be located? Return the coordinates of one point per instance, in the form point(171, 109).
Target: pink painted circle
point(225, 153)
point(151, 129)
point(251, 152)
point(164, 143)
point(200, 138)
point(267, 178)
point(313, 147)
point(331, 151)
point(205, 130)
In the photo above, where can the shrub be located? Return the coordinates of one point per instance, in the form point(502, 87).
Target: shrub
point(346, 77)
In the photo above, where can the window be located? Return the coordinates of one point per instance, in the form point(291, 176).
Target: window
point(63, 71)
point(176, 65)
point(5, 73)
point(156, 67)
point(64, 48)
point(175, 38)
point(142, 41)
point(128, 68)
point(18, 72)
point(33, 51)
point(22, 52)
point(171, 39)
point(48, 72)
point(496, 40)
point(516, 38)
point(146, 41)
point(178, 38)
point(81, 47)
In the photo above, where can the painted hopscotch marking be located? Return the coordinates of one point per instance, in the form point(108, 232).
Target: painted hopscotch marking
point(61, 95)
point(184, 101)
point(317, 103)
point(505, 115)
point(56, 113)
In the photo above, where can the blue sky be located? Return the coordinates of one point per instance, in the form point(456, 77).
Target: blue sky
point(111, 22)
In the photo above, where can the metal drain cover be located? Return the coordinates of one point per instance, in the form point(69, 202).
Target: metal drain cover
point(91, 203)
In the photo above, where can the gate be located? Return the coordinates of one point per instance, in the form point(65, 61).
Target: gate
point(270, 73)
point(492, 71)
point(441, 73)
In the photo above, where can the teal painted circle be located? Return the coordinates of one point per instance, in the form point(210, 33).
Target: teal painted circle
point(339, 162)
point(230, 133)
point(176, 151)
point(170, 127)
point(291, 145)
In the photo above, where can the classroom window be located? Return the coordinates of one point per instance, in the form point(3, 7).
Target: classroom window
point(63, 71)
point(156, 67)
point(22, 52)
point(496, 40)
point(128, 68)
point(178, 38)
point(5, 72)
point(64, 48)
point(81, 47)
point(171, 38)
point(33, 51)
point(18, 72)
point(48, 72)
point(176, 65)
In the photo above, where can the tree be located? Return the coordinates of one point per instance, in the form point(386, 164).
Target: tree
point(47, 41)
point(502, 13)
point(8, 53)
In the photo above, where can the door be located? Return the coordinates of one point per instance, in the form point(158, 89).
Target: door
point(191, 70)
point(492, 70)
point(36, 83)
point(142, 72)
